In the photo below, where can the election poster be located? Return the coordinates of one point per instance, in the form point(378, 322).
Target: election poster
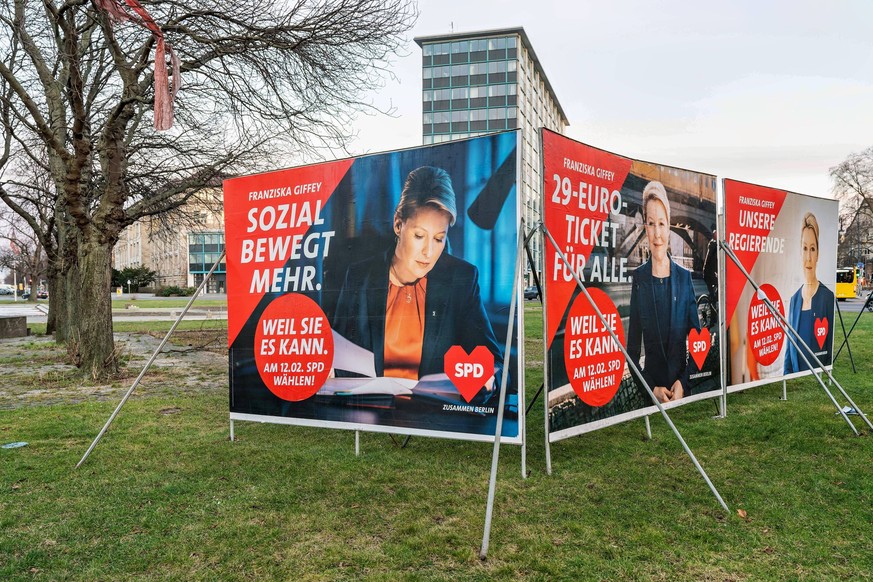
point(639, 236)
point(373, 293)
point(787, 242)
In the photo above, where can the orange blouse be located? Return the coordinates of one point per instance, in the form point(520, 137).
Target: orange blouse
point(404, 329)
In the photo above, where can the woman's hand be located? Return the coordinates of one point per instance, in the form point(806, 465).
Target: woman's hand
point(677, 392)
point(662, 394)
point(489, 384)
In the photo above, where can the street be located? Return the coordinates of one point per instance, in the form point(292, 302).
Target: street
point(123, 308)
point(852, 305)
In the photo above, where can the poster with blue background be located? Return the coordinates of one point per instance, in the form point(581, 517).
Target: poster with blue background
point(373, 293)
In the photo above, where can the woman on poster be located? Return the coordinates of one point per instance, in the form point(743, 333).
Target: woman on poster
point(810, 304)
point(662, 306)
point(410, 304)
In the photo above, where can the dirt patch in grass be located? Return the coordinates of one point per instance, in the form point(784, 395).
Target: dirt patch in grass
point(34, 371)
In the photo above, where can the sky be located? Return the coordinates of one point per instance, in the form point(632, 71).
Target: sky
point(769, 92)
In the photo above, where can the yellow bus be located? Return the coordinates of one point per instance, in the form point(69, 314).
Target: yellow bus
point(847, 283)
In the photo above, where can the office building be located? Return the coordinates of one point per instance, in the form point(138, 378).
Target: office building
point(180, 246)
point(480, 82)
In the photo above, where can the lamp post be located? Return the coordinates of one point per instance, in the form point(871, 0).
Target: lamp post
point(128, 286)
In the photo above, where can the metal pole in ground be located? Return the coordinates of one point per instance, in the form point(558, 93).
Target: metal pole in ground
point(151, 361)
point(860, 313)
point(799, 345)
point(846, 340)
point(501, 403)
point(636, 370)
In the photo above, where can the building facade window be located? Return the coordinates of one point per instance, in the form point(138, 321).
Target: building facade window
point(493, 82)
point(204, 249)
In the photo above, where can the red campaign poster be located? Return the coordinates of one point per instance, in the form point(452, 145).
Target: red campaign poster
point(787, 242)
point(637, 234)
point(373, 293)
point(593, 359)
point(268, 218)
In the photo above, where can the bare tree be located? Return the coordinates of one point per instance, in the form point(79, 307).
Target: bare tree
point(853, 187)
point(264, 82)
point(30, 223)
point(21, 251)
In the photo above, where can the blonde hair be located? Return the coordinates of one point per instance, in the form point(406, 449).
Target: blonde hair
point(810, 222)
point(427, 186)
point(654, 190)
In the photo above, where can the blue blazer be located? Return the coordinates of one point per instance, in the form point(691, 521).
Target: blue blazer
point(822, 306)
point(643, 327)
point(454, 313)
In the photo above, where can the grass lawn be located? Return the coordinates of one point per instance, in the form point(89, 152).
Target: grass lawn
point(152, 326)
point(166, 495)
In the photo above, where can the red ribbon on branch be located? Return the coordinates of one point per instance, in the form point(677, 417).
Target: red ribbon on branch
point(165, 93)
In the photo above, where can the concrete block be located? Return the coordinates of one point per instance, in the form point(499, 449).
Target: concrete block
point(13, 326)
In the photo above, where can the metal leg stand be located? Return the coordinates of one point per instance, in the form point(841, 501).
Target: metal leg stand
point(536, 397)
point(637, 372)
point(846, 338)
point(151, 361)
point(546, 371)
point(800, 346)
point(851, 329)
point(501, 404)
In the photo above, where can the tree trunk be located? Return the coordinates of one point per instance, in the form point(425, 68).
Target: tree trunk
point(55, 300)
point(28, 276)
point(67, 281)
point(90, 310)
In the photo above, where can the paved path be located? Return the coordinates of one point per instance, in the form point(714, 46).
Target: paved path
point(853, 305)
point(37, 313)
point(21, 308)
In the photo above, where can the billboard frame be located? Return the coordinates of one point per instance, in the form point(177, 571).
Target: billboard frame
point(517, 371)
point(645, 410)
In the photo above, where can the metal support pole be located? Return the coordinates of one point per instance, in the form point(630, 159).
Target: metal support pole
point(648, 428)
point(231, 430)
point(151, 360)
point(860, 313)
point(522, 432)
point(536, 397)
point(637, 371)
point(724, 340)
point(532, 264)
point(522, 410)
point(799, 345)
point(545, 388)
point(785, 327)
point(846, 338)
point(784, 390)
point(357, 443)
point(501, 404)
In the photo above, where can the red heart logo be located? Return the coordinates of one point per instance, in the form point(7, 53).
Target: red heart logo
point(468, 372)
point(821, 331)
point(698, 344)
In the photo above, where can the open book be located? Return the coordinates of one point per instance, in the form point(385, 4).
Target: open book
point(386, 392)
point(381, 392)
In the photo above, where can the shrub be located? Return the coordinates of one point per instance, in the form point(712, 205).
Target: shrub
point(174, 290)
